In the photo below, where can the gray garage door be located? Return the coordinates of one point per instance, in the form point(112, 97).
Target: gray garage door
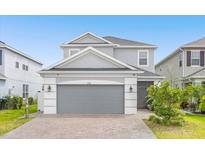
point(142, 93)
point(90, 99)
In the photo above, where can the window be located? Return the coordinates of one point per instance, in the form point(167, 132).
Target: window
point(1, 57)
point(26, 68)
point(23, 67)
point(143, 58)
point(25, 90)
point(17, 64)
point(73, 51)
point(195, 58)
point(180, 59)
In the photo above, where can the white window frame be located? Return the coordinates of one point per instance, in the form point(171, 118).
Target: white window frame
point(199, 58)
point(72, 49)
point(147, 51)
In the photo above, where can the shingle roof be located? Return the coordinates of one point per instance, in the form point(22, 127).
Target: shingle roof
point(199, 42)
point(125, 42)
point(190, 75)
point(146, 73)
point(4, 45)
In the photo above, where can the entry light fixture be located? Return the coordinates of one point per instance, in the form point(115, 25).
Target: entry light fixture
point(131, 88)
point(49, 88)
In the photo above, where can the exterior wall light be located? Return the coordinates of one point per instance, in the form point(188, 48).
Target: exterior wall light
point(131, 88)
point(49, 88)
point(42, 87)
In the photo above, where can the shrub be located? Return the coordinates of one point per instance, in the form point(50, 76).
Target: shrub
point(30, 100)
point(193, 107)
point(20, 102)
point(202, 104)
point(11, 102)
point(166, 103)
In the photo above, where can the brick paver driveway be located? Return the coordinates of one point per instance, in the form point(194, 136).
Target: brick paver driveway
point(85, 126)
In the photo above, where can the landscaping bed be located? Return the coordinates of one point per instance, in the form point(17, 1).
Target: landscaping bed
point(11, 119)
point(193, 128)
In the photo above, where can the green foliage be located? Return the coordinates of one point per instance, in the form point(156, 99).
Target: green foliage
point(20, 102)
point(202, 104)
point(30, 100)
point(166, 103)
point(11, 102)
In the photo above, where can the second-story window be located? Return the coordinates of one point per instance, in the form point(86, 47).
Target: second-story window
point(17, 64)
point(1, 57)
point(180, 60)
point(195, 58)
point(24, 67)
point(143, 58)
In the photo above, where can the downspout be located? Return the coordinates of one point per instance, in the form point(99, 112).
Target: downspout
point(183, 63)
point(183, 56)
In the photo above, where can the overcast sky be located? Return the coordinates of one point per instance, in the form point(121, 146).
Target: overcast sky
point(40, 36)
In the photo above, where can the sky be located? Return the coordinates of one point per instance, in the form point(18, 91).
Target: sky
point(41, 36)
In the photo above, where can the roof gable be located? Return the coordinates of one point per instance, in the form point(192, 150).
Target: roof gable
point(89, 38)
point(197, 43)
point(90, 58)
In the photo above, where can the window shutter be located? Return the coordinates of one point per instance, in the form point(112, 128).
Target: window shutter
point(201, 58)
point(188, 58)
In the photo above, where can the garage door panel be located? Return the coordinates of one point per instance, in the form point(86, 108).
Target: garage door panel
point(90, 99)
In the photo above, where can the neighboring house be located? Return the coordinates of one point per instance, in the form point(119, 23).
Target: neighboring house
point(99, 75)
point(185, 65)
point(18, 73)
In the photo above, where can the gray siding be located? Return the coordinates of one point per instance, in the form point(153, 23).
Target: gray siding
point(171, 70)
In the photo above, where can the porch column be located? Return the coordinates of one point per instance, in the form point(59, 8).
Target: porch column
point(130, 94)
point(49, 96)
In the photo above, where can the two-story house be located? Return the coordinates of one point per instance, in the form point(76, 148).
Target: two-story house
point(185, 65)
point(18, 73)
point(99, 75)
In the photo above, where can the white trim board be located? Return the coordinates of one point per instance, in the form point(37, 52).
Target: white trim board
point(87, 33)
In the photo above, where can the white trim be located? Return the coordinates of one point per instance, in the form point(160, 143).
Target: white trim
point(89, 72)
point(81, 36)
point(115, 61)
point(20, 53)
point(129, 46)
point(86, 45)
point(90, 82)
point(198, 51)
point(150, 77)
point(72, 49)
point(138, 57)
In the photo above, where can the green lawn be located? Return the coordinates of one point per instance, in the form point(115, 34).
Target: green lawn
point(194, 128)
point(11, 119)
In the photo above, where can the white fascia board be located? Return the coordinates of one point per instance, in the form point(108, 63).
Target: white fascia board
point(89, 72)
point(148, 47)
point(20, 53)
point(150, 77)
point(87, 34)
point(86, 45)
point(115, 61)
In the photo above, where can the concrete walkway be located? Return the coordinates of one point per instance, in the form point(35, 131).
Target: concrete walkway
point(84, 126)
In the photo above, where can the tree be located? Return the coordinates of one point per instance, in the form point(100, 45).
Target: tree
point(165, 101)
